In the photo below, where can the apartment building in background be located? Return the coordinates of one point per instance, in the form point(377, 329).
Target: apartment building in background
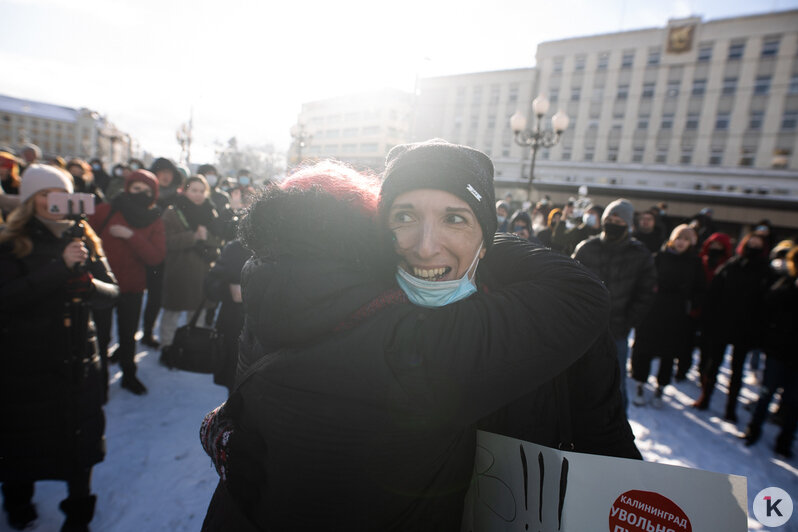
point(359, 129)
point(60, 130)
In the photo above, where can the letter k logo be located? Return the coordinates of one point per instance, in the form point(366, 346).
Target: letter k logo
point(772, 507)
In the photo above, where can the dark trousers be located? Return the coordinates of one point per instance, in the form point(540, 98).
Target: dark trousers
point(785, 376)
point(712, 354)
point(20, 492)
point(154, 291)
point(128, 309)
point(641, 367)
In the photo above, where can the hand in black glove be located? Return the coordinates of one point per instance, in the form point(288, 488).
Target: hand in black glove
point(79, 285)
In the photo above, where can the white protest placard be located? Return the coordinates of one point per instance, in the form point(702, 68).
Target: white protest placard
point(521, 486)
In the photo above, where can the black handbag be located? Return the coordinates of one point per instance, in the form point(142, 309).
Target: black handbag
point(194, 348)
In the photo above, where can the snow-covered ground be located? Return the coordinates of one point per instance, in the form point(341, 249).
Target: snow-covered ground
point(157, 478)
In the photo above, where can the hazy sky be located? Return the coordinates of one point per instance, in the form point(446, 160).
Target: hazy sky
point(246, 66)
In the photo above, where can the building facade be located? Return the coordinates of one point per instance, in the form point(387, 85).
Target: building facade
point(475, 109)
point(358, 129)
point(62, 131)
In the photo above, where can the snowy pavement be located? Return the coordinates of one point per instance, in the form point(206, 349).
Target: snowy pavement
point(157, 478)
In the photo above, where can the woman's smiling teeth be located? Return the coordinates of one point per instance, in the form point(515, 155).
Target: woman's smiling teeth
point(431, 274)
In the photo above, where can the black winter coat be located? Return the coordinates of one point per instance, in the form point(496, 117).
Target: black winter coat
point(580, 410)
point(51, 386)
point(374, 423)
point(781, 332)
point(735, 312)
point(681, 286)
point(627, 269)
point(227, 271)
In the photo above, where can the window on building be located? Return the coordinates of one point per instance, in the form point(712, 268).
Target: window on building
point(554, 95)
point(648, 90)
point(793, 88)
point(603, 60)
point(692, 121)
point(491, 121)
point(474, 123)
point(505, 153)
point(662, 155)
point(589, 154)
point(667, 121)
point(762, 85)
point(579, 62)
point(612, 154)
point(348, 148)
point(637, 154)
point(495, 91)
point(722, 121)
point(332, 133)
point(627, 59)
point(729, 86)
point(716, 156)
point(513, 94)
point(736, 50)
point(770, 46)
point(557, 64)
point(686, 156)
point(476, 95)
point(788, 120)
point(623, 92)
point(653, 56)
point(349, 132)
point(699, 87)
point(755, 120)
point(566, 154)
point(704, 52)
point(461, 92)
point(673, 89)
point(746, 156)
point(369, 147)
point(598, 94)
point(576, 93)
point(642, 122)
point(371, 130)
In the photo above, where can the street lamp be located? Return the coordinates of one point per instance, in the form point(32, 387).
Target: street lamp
point(538, 138)
point(301, 137)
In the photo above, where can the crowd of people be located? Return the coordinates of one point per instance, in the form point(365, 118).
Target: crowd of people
point(683, 285)
point(156, 231)
point(369, 325)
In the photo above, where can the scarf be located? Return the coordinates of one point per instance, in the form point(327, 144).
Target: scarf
point(194, 214)
point(135, 214)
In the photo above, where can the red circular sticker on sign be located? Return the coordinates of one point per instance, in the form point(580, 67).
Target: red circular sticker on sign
point(646, 511)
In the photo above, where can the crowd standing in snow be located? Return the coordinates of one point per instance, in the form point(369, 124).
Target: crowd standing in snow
point(677, 285)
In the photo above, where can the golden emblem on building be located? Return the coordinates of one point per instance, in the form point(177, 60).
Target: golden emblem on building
point(680, 39)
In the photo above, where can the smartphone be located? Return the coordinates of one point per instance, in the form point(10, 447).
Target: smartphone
point(70, 204)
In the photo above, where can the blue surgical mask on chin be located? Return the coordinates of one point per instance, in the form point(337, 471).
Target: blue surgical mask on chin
point(433, 294)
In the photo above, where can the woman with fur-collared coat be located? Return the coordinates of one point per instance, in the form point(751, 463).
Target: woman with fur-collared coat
point(51, 384)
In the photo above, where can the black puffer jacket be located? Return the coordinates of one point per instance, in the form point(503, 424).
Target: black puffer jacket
point(681, 286)
point(372, 419)
point(781, 332)
point(627, 269)
point(51, 385)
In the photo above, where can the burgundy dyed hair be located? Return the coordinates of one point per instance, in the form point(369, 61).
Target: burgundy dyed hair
point(340, 181)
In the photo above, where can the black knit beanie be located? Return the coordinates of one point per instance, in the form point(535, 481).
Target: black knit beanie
point(436, 164)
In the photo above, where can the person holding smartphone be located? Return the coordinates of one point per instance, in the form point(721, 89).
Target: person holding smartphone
point(51, 388)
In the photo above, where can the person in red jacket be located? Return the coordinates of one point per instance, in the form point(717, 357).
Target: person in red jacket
point(133, 238)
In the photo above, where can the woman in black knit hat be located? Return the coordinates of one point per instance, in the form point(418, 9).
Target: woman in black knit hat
point(360, 396)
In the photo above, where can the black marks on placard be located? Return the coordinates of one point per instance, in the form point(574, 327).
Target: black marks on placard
point(526, 481)
point(500, 498)
point(563, 488)
point(540, 496)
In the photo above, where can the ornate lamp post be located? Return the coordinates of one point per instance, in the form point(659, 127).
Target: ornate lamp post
point(302, 138)
point(538, 138)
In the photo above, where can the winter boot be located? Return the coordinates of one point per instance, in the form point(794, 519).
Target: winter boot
point(133, 385)
point(79, 512)
point(752, 435)
point(783, 448)
point(706, 394)
point(149, 340)
point(656, 401)
point(639, 398)
point(20, 511)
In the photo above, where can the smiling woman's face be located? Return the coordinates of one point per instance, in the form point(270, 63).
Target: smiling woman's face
point(437, 234)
